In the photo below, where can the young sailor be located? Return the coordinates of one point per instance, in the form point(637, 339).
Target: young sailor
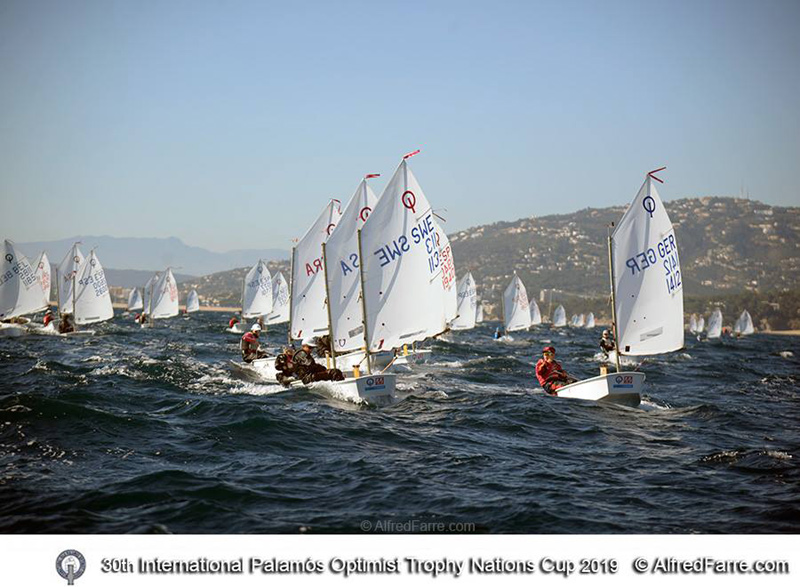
point(250, 346)
point(48, 317)
point(549, 372)
point(285, 366)
point(66, 325)
point(232, 322)
point(308, 370)
point(606, 342)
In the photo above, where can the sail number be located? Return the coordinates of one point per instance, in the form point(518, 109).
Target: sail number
point(665, 251)
point(423, 232)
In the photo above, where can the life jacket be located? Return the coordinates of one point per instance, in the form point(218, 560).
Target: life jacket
point(283, 362)
point(231, 322)
point(545, 370)
point(48, 318)
point(249, 344)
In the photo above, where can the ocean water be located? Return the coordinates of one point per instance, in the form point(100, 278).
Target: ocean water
point(151, 431)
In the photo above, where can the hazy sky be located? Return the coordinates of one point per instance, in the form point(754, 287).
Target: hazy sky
point(230, 124)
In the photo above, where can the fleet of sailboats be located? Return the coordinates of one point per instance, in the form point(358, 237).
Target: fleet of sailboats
point(379, 277)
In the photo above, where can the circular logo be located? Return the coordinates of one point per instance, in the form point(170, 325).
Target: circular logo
point(370, 381)
point(70, 564)
point(649, 205)
point(364, 214)
point(93, 262)
point(9, 257)
point(409, 200)
point(618, 379)
point(76, 259)
point(330, 228)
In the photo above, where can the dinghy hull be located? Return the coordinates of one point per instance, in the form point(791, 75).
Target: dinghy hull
point(620, 388)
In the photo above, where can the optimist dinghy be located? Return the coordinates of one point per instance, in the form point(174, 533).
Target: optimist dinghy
point(647, 304)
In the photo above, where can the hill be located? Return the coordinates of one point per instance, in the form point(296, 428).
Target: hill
point(153, 254)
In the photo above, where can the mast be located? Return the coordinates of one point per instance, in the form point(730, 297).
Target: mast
point(74, 273)
point(363, 302)
point(58, 293)
point(150, 309)
point(613, 295)
point(244, 287)
point(328, 303)
point(291, 293)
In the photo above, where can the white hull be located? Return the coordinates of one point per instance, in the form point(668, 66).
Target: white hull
point(624, 387)
point(372, 389)
point(237, 328)
point(611, 359)
point(413, 357)
point(505, 338)
point(12, 330)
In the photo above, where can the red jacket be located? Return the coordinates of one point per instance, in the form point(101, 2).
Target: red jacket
point(231, 322)
point(48, 318)
point(545, 370)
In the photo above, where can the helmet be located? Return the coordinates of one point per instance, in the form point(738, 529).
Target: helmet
point(606, 333)
point(255, 328)
point(309, 341)
point(549, 349)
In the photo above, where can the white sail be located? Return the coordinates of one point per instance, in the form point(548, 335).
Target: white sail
point(467, 304)
point(647, 273)
point(479, 313)
point(344, 283)
point(92, 299)
point(42, 269)
point(590, 320)
point(560, 317)
point(715, 324)
point(148, 289)
point(744, 325)
point(66, 272)
point(581, 321)
point(165, 296)
point(693, 323)
point(401, 266)
point(20, 292)
point(449, 290)
point(192, 302)
point(257, 291)
point(536, 313)
point(701, 324)
point(280, 301)
point(309, 315)
point(135, 300)
point(516, 314)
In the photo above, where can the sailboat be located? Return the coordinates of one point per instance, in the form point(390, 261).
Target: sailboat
point(467, 304)
point(308, 310)
point(536, 313)
point(560, 317)
point(744, 325)
point(20, 291)
point(693, 324)
point(404, 268)
point(135, 302)
point(192, 302)
point(65, 279)
point(479, 313)
point(701, 324)
point(715, 324)
point(516, 313)
point(256, 296)
point(589, 320)
point(280, 301)
point(162, 301)
point(91, 302)
point(647, 295)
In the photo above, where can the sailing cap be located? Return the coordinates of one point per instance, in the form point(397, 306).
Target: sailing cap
point(606, 333)
point(255, 328)
point(309, 341)
point(549, 349)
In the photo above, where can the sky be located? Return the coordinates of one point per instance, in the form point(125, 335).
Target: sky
point(230, 124)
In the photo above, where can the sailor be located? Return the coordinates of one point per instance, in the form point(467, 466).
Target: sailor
point(232, 322)
point(250, 345)
point(48, 317)
point(66, 324)
point(285, 366)
point(497, 333)
point(607, 343)
point(308, 370)
point(549, 372)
